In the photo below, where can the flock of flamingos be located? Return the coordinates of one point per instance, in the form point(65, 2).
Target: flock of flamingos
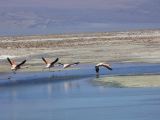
point(50, 64)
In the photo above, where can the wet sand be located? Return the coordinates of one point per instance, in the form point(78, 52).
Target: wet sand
point(130, 81)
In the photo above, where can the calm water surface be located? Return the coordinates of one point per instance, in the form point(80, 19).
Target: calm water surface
point(68, 95)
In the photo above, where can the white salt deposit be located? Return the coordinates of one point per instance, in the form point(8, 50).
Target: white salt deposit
point(5, 56)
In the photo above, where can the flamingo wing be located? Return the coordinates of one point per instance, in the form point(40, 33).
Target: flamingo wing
point(21, 63)
point(108, 67)
point(56, 60)
point(76, 63)
point(9, 61)
point(44, 60)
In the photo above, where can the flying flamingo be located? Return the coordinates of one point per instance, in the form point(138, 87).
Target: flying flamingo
point(68, 65)
point(14, 66)
point(102, 65)
point(50, 64)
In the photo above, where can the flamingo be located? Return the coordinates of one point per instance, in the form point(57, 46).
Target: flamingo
point(50, 64)
point(14, 66)
point(102, 65)
point(68, 65)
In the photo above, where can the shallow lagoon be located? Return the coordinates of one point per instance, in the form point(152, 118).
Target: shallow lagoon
point(72, 94)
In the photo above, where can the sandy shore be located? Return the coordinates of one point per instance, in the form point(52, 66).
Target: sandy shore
point(134, 46)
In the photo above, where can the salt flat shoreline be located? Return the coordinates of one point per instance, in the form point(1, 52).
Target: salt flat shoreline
point(123, 75)
point(132, 46)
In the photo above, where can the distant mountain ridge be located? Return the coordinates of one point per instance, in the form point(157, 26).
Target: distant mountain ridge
point(37, 20)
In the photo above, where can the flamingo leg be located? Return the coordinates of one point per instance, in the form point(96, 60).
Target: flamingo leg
point(97, 75)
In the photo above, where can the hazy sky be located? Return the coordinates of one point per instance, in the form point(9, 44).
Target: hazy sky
point(44, 16)
point(69, 4)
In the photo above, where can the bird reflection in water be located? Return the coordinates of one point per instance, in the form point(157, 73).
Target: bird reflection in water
point(49, 89)
point(68, 85)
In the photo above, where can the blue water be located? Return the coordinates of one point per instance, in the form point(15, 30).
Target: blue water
point(68, 95)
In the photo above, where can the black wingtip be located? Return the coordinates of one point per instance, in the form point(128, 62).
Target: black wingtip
point(56, 59)
point(77, 63)
point(9, 60)
point(25, 61)
point(110, 68)
point(44, 60)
